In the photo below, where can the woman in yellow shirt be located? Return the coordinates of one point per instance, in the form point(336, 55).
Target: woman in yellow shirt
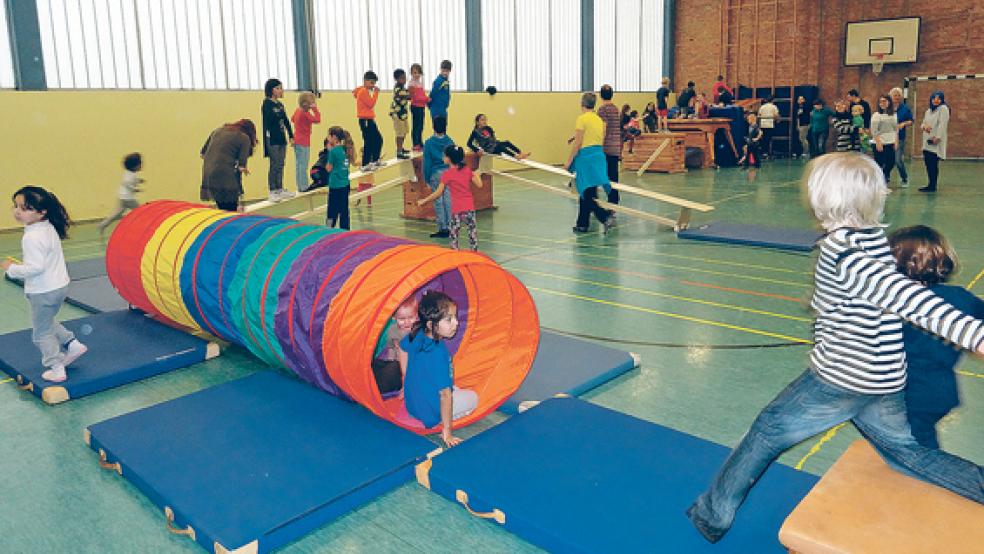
point(587, 162)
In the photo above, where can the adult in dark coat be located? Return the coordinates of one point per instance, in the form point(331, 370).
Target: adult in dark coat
point(225, 154)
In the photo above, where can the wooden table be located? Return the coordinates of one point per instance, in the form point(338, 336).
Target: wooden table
point(709, 127)
point(413, 191)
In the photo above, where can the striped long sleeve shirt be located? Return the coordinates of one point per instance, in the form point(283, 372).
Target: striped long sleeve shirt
point(861, 302)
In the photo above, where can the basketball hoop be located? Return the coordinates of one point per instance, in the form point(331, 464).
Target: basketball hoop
point(878, 63)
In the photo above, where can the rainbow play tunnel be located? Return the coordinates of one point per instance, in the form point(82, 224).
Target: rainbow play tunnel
point(316, 300)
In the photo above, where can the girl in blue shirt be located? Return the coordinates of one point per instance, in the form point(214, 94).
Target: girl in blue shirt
point(428, 387)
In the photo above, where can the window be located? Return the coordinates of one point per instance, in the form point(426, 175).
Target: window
point(353, 36)
point(184, 44)
point(628, 38)
point(6, 60)
point(532, 46)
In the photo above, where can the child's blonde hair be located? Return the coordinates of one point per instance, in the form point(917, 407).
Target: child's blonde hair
point(846, 190)
point(305, 97)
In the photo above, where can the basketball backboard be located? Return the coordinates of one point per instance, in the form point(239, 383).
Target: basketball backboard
point(894, 40)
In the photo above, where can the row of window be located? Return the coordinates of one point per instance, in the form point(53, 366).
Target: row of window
point(528, 45)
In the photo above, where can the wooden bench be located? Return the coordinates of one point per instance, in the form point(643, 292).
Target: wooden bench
point(861, 505)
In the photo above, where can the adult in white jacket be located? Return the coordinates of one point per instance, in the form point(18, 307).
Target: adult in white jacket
point(934, 128)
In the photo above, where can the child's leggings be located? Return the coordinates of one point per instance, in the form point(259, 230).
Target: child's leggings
point(506, 147)
point(48, 335)
point(123, 207)
point(469, 219)
point(417, 128)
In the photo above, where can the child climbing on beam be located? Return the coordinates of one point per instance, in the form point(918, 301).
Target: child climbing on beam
point(429, 392)
point(857, 368)
point(483, 140)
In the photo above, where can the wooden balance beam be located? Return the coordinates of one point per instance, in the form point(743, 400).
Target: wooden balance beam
point(861, 505)
point(686, 206)
point(406, 173)
point(376, 189)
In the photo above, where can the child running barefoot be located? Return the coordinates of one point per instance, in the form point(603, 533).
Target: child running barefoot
point(45, 277)
point(458, 178)
point(924, 255)
point(129, 188)
point(483, 140)
point(428, 390)
point(857, 368)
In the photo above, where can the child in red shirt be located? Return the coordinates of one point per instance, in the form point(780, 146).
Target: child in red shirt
point(304, 117)
point(458, 178)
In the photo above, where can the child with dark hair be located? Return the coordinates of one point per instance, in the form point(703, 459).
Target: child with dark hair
point(128, 190)
point(753, 143)
point(884, 128)
point(365, 104)
point(662, 107)
point(483, 139)
point(631, 130)
point(440, 96)
point(338, 153)
point(418, 103)
point(924, 255)
point(819, 128)
point(649, 118)
point(45, 276)
point(428, 389)
point(277, 133)
point(399, 112)
point(458, 178)
point(432, 167)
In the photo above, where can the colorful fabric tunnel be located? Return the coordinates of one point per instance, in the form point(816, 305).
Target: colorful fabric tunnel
point(316, 300)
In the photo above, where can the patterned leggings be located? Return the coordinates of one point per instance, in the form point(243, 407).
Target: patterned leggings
point(469, 219)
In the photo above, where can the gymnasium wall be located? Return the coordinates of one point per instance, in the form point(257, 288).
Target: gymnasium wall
point(765, 45)
point(72, 142)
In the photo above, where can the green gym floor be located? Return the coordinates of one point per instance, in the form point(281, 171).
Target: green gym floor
point(721, 329)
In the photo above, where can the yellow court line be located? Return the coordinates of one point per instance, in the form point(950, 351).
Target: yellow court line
point(970, 374)
point(6, 381)
point(673, 315)
point(819, 444)
point(664, 295)
point(975, 280)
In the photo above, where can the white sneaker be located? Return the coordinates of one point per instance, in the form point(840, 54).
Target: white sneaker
point(274, 196)
point(286, 194)
point(905, 184)
point(74, 352)
point(55, 375)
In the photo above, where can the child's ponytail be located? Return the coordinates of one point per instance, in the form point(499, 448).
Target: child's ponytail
point(456, 154)
point(433, 307)
point(40, 200)
point(345, 140)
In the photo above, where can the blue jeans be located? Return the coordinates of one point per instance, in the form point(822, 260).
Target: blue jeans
point(806, 407)
point(442, 205)
point(302, 154)
point(900, 160)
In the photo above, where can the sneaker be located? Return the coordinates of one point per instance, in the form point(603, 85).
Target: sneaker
point(274, 196)
point(55, 375)
point(74, 351)
point(580, 229)
point(904, 184)
point(403, 154)
point(286, 194)
point(609, 224)
point(442, 234)
point(927, 189)
point(366, 168)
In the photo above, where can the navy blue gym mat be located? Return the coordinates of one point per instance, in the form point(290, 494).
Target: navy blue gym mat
point(570, 476)
point(90, 288)
point(567, 365)
point(257, 462)
point(782, 238)
point(124, 346)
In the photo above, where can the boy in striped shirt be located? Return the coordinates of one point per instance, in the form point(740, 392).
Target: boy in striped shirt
point(857, 367)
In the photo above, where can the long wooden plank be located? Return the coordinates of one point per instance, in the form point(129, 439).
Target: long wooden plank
point(652, 158)
point(543, 186)
point(538, 165)
point(663, 197)
point(637, 213)
point(376, 189)
point(392, 162)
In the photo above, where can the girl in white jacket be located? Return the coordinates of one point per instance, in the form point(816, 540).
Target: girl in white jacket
point(45, 277)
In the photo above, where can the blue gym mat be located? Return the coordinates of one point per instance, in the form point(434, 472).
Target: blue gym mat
point(90, 288)
point(782, 238)
point(570, 476)
point(567, 365)
point(124, 346)
point(258, 461)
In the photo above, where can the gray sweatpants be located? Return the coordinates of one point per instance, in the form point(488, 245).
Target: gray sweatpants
point(124, 205)
point(48, 335)
point(275, 177)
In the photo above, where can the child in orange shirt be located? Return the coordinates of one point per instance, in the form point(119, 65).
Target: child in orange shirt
point(365, 103)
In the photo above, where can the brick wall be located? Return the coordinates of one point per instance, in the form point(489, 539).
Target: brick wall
point(756, 43)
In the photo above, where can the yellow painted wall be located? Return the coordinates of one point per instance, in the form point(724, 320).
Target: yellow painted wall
point(72, 142)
